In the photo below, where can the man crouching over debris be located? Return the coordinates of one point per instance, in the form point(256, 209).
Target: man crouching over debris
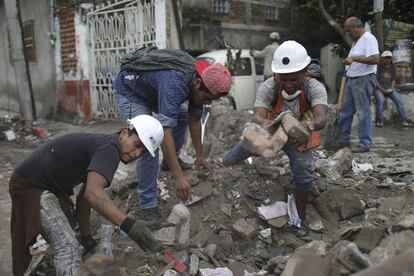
point(40, 188)
point(305, 99)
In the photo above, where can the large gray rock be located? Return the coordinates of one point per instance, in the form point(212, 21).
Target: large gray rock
point(400, 266)
point(338, 204)
point(392, 206)
point(399, 242)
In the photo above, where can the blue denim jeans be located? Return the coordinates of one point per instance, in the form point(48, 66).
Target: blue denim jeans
point(379, 105)
point(300, 163)
point(147, 166)
point(357, 99)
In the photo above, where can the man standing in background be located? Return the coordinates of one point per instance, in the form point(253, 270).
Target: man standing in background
point(361, 67)
point(267, 54)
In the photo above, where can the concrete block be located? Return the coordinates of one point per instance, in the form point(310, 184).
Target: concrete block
point(244, 228)
point(294, 129)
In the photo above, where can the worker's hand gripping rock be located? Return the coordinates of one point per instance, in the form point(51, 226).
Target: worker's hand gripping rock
point(139, 231)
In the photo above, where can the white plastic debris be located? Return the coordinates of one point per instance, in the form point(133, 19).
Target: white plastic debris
point(277, 209)
point(10, 135)
point(40, 247)
point(293, 212)
point(361, 167)
point(220, 271)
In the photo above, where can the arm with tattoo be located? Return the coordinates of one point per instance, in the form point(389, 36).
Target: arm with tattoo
point(96, 196)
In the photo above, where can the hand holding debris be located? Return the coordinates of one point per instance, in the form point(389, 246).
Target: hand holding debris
point(183, 188)
point(256, 141)
point(143, 237)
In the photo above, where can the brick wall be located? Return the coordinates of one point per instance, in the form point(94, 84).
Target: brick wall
point(67, 36)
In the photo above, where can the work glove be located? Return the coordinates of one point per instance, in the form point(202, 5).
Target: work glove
point(89, 244)
point(139, 231)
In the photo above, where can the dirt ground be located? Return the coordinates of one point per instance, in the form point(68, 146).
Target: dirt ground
point(229, 189)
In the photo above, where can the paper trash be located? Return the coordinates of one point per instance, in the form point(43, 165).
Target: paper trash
point(363, 167)
point(277, 209)
point(220, 271)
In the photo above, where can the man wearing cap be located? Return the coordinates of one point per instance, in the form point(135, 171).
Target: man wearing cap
point(293, 90)
point(267, 54)
point(360, 67)
point(386, 78)
point(40, 190)
point(162, 81)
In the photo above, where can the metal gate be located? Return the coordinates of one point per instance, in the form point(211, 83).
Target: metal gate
point(115, 29)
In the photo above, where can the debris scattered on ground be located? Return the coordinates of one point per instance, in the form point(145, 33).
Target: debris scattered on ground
point(360, 212)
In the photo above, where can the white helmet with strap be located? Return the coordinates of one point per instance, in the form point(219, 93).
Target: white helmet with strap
point(149, 130)
point(290, 57)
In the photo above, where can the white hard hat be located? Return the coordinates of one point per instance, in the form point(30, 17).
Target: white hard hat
point(274, 35)
point(290, 57)
point(149, 131)
point(386, 54)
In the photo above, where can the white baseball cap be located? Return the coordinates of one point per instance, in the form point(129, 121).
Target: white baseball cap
point(386, 54)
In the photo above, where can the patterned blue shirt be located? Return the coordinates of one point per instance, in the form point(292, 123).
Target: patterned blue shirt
point(162, 91)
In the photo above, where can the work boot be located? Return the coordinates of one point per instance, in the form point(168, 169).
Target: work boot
point(359, 149)
point(151, 214)
point(379, 124)
point(184, 166)
point(301, 232)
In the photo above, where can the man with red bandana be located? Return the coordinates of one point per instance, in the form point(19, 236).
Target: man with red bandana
point(161, 81)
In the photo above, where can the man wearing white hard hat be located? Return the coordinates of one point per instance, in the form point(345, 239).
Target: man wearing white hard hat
point(267, 53)
point(385, 88)
point(40, 188)
point(306, 98)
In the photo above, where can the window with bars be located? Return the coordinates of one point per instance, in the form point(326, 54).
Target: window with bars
point(271, 13)
point(221, 6)
point(29, 41)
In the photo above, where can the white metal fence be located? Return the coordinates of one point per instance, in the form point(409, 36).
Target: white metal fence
point(115, 29)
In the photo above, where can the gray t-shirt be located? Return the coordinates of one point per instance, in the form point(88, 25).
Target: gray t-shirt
point(315, 94)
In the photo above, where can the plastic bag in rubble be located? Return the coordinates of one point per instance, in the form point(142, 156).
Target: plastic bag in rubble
point(362, 167)
point(293, 212)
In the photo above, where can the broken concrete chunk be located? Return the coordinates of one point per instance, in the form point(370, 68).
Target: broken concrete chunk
point(278, 222)
point(294, 128)
point(399, 242)
point(350, 257)
point(244, 228)
point(338, 204)
point(401, 265)
point(404, 222)
point(299, 265)
point(256, 140)
point(226, 208)
point(381, 254)
point(200, 239)
point(194, 262)
point(179, 234)
point(279, 139)
point(312, 248)
point(368, 237)
point(316, 226)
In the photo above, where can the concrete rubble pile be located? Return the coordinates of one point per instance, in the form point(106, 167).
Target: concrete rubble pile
point(240, 224)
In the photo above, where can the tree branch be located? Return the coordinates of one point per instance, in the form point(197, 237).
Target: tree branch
point(333, 23)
